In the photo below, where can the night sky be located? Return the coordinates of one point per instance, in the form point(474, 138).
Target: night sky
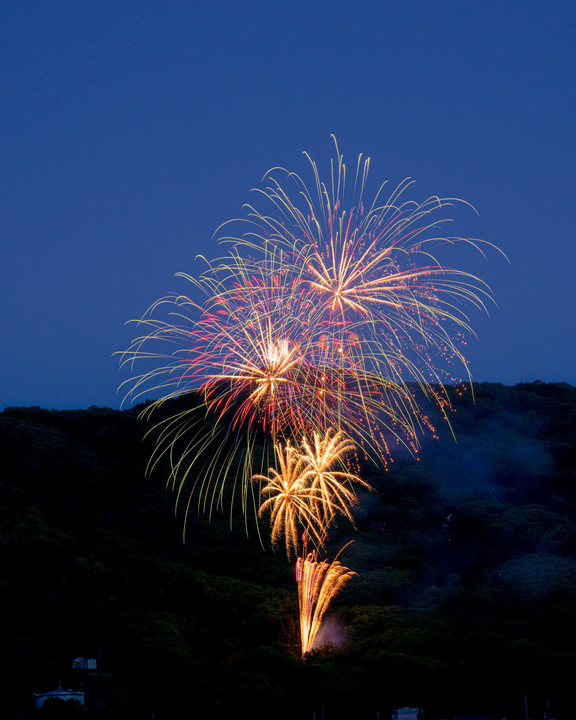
point(132, 130)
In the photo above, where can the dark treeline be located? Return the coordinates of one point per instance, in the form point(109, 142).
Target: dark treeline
point(465, 599)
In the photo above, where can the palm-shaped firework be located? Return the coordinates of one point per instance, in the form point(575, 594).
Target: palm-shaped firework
point(290, 500)
point(308, 489)
point(322, 458)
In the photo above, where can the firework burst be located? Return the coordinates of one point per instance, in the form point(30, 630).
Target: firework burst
point(332, 487)
point(309, 488)
point(326, 313)
point(258, 367)
point(241, 356)
point(370, 271)
point(318, 324)
point(291, 501)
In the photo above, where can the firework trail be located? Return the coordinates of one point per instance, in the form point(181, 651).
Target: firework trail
point(318, 583)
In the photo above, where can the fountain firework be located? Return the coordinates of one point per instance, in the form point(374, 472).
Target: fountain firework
point(318, 583)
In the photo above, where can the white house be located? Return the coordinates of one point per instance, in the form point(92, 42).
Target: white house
point(81, 663)
point(66, 695)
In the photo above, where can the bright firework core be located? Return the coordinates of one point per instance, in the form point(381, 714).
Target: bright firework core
point(278, 352)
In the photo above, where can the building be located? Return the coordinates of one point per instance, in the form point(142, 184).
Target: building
point(406, 713)
point(66, 695)
point(81, 663)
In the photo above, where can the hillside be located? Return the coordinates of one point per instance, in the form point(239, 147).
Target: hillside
point(465, 597)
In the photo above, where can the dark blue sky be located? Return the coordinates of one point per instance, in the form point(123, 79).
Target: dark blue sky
point(131, 130)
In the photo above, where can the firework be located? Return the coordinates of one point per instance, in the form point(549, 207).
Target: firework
point(241, 357)
point(319, 324)
point(308, 490)
point(257, 367)
point(318, 583)
point(324, 314)
point(370, 271)
point(290, 500)
point(331, 487)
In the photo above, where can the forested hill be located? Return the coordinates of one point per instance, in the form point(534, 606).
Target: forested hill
point(465, 597)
